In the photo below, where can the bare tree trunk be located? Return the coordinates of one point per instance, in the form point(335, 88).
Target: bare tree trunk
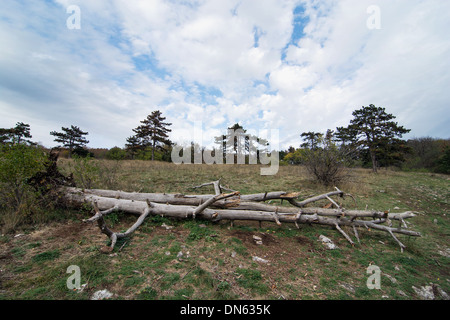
point(374, 160)
point(234, 206)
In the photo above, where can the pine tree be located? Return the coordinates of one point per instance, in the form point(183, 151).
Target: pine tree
point(16, 135)
point(238, 142)
point(71, 138)
point(152, 133)
point(372, 129)
point(312, 140)
point(133, 146)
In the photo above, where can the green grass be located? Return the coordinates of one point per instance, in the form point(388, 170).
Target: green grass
point(252, 279)
point(46, 256)
point(219, 264)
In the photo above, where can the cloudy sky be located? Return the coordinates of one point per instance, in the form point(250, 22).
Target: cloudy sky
point(287, 65)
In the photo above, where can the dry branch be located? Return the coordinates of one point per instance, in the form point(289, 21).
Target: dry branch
point(234, 206)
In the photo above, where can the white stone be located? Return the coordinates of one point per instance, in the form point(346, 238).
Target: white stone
point(425, 292)
point(101, 294)
point(258, 259)
point(327, 241)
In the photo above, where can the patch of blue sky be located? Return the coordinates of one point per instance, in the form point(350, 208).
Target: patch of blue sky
point(207, 94)
point(198, 93)
point(263, 85)
point(260, 114)
point(257, 33)
point(265, 82)
point(41, 18)
point(148, 64)
point(299, 23)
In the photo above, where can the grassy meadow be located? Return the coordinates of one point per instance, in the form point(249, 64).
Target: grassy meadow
point(195, 259)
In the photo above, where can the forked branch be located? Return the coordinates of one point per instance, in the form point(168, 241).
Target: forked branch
point(234, 206)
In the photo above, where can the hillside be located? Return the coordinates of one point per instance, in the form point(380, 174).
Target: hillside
point(197, 260)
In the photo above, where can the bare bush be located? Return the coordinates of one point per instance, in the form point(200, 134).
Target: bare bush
point(326, 165)
point(324, 160)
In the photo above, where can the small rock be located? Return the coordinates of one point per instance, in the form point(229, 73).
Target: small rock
point(258, 240)
point(400, 292)
point(425, 292)
point(396, 208)
point(442, 293)
point(327, 241)
point(167, 253)
point(233, 254)
point(348, 287)
point(393, 280)
point(101, 294)
point(258, 259)
point(166, 226)
point(445, 252)
point(181, 255)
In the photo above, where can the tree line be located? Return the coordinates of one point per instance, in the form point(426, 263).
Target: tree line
point(371, 139)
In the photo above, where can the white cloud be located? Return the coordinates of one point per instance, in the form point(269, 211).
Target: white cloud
point(292, 79)
point(222, 62)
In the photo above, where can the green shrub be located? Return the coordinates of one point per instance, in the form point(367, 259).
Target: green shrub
point(116, 153)
point(85, 171)
point(18, 200)
point(443, 163)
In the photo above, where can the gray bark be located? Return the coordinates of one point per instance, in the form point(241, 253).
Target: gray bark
point(233, 206)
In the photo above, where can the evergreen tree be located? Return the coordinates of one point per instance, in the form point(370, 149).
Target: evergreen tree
point(71, 138)
point(16, 135)
point(312, 140)
point(239, 142)
point(443, 163)
point(133, 146)
point(152, 133)
point(372, 129)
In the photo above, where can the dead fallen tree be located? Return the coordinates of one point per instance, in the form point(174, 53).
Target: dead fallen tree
point(233, 206)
